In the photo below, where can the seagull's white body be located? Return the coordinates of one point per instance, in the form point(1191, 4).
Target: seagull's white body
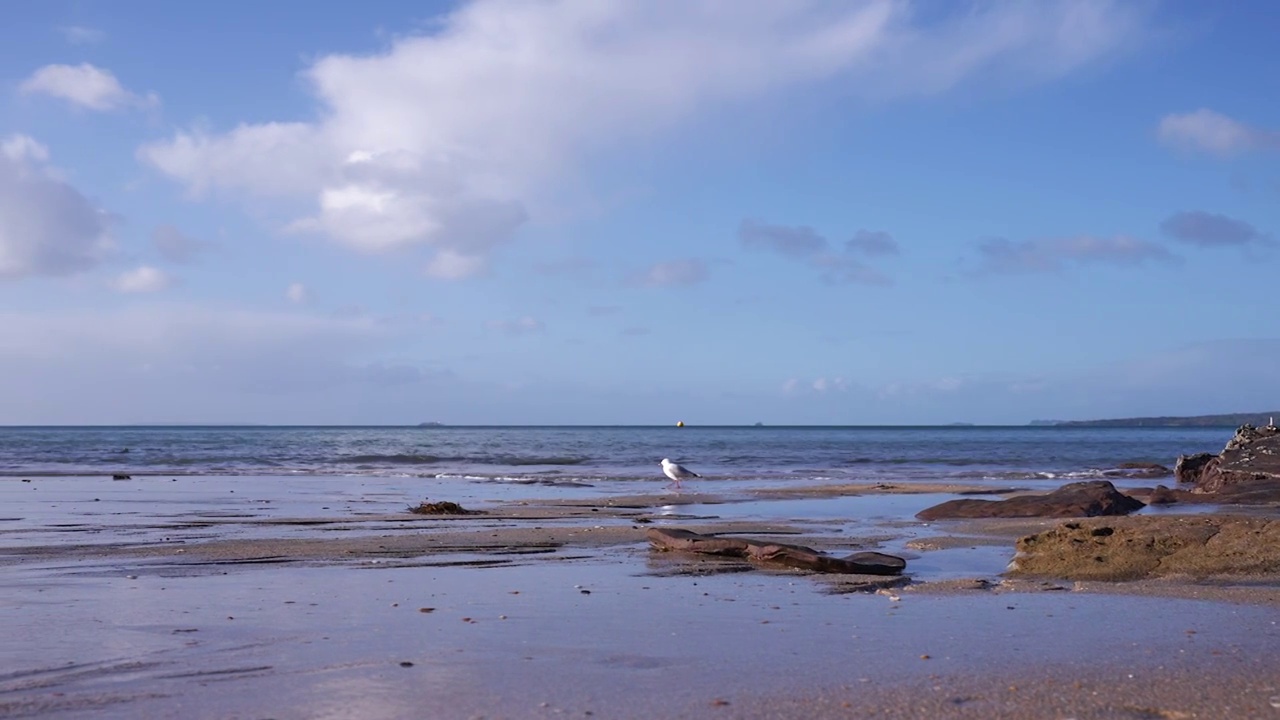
point(677, 472)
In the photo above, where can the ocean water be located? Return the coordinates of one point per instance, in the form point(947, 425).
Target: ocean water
point(603, 455)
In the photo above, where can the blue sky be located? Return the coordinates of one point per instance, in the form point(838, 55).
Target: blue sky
point(885, 212)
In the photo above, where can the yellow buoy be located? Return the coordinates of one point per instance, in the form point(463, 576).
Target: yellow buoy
point(679, 423)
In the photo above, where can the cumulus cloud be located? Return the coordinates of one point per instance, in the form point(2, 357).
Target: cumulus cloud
point(452, 140)
point(297, 293)
point(1212, 230)
point(1000, 255)
point(84, 85)
point(519, 326)
point(46, 226)
point(1215, 133)
point(143, 279)
point(175, 246)
point(804, 243)
point(674, 273)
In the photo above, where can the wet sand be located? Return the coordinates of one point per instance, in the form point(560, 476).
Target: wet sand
point(322, 598)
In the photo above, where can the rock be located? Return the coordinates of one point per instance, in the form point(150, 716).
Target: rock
point(796, 556)
point(1256, 492)
point(1080, 499)
point(1189, 468)
point(120, 476)
point(1138, 470)
point(442, 508)
point(1198, 546)
point(1253, 454)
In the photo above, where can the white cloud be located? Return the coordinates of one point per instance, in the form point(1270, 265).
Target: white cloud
point(690, 271)
point(1000, 255)
point(836, 384)
point(297, 293)
point(453, 140)
point(155, 361)
point(1208, 229)
point(519, 326)
point(143, 279)
point(1215, 133)
point(83, 85)
point(872, 242)
point(175, 246)
point(449, 265)
point(82, 35)
point(23, 148)
point(804, 243)
point(46, 226)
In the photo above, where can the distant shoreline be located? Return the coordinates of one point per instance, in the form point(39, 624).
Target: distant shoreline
point(1231, 420)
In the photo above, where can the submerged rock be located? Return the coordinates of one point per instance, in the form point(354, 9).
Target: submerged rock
point(796, 556)
point(1138, 470)
point(1132, 548)
point(1080, 499)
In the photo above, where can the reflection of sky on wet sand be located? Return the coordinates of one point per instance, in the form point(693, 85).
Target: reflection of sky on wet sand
point(328, 642)
point(576, 629)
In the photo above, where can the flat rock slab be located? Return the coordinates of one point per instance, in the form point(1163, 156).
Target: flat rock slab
point(796, 556)
point(1132, 548)
point(1254, 492)
point(1081, 499)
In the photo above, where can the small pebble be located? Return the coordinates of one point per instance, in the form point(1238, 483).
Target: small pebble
point(406, 663)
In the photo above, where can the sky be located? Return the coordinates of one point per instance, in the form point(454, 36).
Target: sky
point(636, 212)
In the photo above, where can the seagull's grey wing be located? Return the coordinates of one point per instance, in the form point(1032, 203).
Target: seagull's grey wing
point(682, 470)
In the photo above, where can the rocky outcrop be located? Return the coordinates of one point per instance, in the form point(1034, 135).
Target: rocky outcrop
point(1198, 546)
point(1251, 456)
point(1081, 499)
point(796, 556)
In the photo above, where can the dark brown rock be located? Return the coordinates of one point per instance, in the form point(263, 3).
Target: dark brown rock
point(443, 507)
point(1190, 468)
point(796, 556)
point(1253, 454)
point(1256, 492)
point(1139, 470)
point(1131, 548)
point(1081, 499)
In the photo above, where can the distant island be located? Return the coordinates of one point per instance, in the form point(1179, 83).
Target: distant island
point(431, 424)
point(1230, 420)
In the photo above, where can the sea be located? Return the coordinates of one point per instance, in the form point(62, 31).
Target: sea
point(606, 457)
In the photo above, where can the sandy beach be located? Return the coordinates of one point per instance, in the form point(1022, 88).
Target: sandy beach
point(324, 598)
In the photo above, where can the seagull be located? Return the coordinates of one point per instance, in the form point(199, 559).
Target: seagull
point(677, 472)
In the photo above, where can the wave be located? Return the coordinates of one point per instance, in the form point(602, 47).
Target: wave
point(416, 459)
